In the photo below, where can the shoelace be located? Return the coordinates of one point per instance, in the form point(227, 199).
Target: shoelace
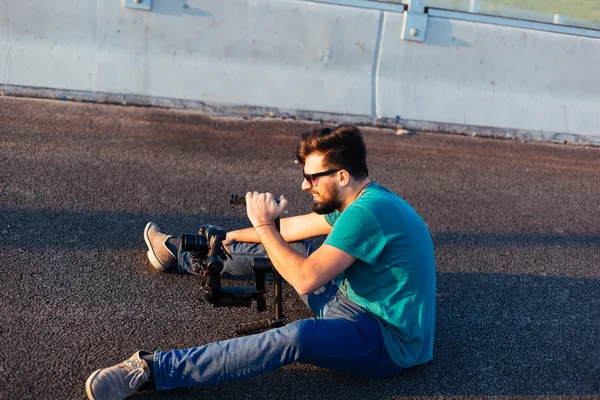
point(137, 372)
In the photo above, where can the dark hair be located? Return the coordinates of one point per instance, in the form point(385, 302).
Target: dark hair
point(342, 148)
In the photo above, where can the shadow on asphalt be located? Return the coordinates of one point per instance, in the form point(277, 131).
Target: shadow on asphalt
point(34, 229)
point(83, 230)
point(490, 239)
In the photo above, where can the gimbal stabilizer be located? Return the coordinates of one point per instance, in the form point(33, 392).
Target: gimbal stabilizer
point(207, 252)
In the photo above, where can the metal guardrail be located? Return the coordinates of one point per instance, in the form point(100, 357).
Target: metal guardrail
point(517, 23)
point(417, 13)
point(495, 8)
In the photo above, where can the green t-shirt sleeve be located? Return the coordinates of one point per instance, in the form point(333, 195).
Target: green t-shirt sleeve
point(357, 233)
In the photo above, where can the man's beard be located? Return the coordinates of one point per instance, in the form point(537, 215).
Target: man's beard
point(328, 205)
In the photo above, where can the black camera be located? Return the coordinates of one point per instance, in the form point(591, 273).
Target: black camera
point(207, 253)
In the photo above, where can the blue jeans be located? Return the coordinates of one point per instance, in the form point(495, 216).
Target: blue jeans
point(343, 337)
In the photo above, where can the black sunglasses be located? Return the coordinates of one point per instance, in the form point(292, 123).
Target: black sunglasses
point(312, 178)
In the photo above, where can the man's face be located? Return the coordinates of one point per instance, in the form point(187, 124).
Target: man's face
point(323, 189)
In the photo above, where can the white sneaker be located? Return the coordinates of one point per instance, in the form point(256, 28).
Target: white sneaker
point(119, 381)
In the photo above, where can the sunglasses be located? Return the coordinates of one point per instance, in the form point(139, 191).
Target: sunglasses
point(312, 179)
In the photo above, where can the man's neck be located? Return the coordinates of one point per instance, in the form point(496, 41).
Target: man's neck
point(354, 191)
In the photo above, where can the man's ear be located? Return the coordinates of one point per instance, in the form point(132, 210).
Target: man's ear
point(344, 177)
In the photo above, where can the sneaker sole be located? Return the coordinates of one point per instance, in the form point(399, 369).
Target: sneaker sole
point(88, 385)
point(151, 256)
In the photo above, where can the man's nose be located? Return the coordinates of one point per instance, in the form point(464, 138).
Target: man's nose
point(305, 184)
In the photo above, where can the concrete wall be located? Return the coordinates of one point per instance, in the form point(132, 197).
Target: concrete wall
point(480, 74)
point(306, 58)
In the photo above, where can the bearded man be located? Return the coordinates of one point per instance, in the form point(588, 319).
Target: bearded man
point(371, 284)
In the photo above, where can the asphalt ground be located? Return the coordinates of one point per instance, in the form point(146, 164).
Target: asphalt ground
point(516, 228)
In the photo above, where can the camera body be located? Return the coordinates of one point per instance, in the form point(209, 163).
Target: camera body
point(207, 254)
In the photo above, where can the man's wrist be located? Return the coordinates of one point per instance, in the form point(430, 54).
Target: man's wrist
point(264, 224)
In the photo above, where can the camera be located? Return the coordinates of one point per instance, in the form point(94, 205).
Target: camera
point(207, 254)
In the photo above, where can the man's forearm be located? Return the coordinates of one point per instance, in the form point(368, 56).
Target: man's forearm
point(247, 235)
point(287, 261)
point(293, 229)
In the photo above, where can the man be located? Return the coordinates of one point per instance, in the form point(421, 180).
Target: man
point(371, 285)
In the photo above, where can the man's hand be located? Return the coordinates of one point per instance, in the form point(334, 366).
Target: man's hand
point(262, 208)
point(229, 238)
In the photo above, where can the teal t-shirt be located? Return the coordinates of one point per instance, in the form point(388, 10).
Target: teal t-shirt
point(393, 277)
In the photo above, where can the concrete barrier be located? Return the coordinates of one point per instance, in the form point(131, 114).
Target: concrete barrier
point(486, 75)
point(307, 58)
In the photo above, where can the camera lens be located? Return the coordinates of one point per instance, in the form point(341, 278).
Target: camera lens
point(194, 244)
